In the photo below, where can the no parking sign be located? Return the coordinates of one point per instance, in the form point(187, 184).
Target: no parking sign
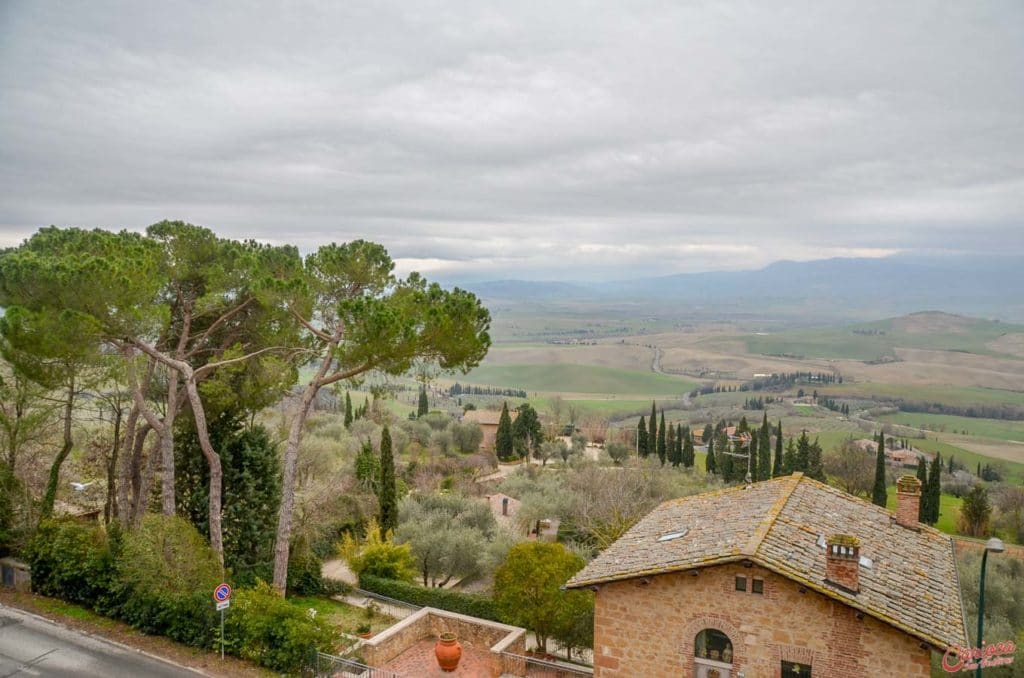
point(222, 595)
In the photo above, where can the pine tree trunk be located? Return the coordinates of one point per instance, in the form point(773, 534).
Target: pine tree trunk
point(167, 445)
point(51, 485)
point(216, 473)
point(282, 541)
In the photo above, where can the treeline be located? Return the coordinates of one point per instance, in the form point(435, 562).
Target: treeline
point(834, 405)
point(671, 443)
point(760, 452)
point(758, 403)
point(1001, 411)
point(776, 382)
point(458, 389)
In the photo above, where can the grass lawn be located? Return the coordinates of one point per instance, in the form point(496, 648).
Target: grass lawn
point(566, 378)
point(59, 607)
point(346, 617)
point(949, 510)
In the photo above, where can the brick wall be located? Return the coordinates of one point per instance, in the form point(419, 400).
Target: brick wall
point(649, 630)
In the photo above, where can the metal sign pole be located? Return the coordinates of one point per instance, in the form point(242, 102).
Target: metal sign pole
point(222, 634)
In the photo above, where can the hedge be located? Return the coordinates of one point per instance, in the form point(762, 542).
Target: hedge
point(454, 601)
point(110, 574)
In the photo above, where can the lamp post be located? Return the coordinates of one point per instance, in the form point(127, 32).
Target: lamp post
point(994, 545)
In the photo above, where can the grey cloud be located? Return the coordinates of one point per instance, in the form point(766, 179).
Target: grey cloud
point(556, 140)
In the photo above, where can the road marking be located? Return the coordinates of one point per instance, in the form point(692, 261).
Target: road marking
point(30, 663)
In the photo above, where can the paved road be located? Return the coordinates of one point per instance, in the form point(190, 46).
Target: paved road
point(30, 646)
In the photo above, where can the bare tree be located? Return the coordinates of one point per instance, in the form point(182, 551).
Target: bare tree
point(851, 468)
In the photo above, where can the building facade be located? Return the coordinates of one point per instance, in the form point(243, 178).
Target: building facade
point(787, 578)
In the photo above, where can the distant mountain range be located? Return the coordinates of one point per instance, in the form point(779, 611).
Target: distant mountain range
point(991, 286)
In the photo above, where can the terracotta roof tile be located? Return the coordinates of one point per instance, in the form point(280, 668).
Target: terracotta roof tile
point(911, 582)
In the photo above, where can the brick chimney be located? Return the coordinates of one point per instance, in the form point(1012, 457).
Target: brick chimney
point(842, 561)
point(908, 501)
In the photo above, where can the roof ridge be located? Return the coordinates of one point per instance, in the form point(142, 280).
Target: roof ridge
point(765, 526)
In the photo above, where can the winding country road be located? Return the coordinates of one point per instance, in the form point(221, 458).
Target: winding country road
point(32, 646)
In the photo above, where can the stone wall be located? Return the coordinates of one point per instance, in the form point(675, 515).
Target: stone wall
point(431, 623)
point(650, 629)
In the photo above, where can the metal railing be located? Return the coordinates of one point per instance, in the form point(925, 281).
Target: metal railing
point(331, 666)
point(398, 609)
point(519, 665)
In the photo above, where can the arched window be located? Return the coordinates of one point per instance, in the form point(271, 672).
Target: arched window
point(712, 654)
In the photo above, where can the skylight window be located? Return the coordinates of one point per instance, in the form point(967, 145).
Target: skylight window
point(669, 536)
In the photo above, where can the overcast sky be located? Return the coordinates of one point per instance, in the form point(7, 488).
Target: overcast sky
point(526, 139)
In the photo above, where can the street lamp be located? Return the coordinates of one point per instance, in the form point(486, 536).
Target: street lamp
point(995, 545)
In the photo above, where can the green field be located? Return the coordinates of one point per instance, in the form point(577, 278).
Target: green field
point(565, 378)
point(949, 510)
point(926, 330)
point(948, 395)
point(998, 429)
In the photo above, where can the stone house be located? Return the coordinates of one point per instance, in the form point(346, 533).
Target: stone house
point(488, 421)
point(787, 577)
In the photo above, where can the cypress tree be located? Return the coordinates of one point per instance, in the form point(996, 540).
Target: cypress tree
point(662, 441)
point(388, 498)
point(705, 436)
point(803, 452)
point(423, 406)
point(923, 511)
point(815, 466)
point(726, 463)
point(503, 443)
point(670, 443)
point(934, 489)
point(709, 463)
point(652, 431)
point(753, 458)
point(642, 449)
point(789, 459)
point(348, 410)
point(879, 495)
point(777, 467)
point(688, 454)
point(764, 448)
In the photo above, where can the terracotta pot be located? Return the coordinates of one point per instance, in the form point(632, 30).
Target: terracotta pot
point(448, 651)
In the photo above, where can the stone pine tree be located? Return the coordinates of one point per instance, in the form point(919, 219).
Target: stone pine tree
point(348, 410)
point(934, 489)
point(652, 431)
point(777, 466)
point(879, 495)
point(388, 498)
point(662, 440)
point(641, 438)
point(709, 463)
point(422, 407)
point(922, 475)
point(504, 446)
